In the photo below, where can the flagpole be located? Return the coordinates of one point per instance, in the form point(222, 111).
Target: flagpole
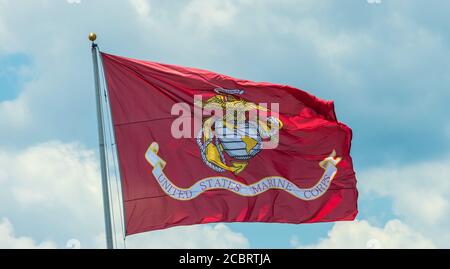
point(101, 139)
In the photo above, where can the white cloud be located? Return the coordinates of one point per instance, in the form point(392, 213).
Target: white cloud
point(73, 1)
point(192, 237)
point(15, 114)
point(360, 234)
point(209, 14)
point(419, 192)
point(61, 181)
point(8, 240)
point(419, 195)
point(56, 187)
point(53, 174)
point(286, 41)
point(142, 7)
point(199, 236)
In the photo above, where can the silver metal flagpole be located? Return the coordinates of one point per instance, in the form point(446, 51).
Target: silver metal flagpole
point(101, 139)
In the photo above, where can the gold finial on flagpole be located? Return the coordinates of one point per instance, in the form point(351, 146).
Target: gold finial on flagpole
point(92, 36)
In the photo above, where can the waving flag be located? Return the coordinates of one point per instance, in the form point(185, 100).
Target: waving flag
point(199, 147)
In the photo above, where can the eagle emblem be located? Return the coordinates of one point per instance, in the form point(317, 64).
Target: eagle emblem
point(228, 141)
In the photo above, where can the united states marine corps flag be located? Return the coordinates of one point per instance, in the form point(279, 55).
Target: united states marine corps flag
point(199, 147)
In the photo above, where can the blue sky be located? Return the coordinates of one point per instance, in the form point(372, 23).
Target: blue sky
point(386, 64)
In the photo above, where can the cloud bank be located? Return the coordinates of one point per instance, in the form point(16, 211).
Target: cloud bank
point(385, 65)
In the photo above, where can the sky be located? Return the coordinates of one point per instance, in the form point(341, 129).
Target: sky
point(385, 63)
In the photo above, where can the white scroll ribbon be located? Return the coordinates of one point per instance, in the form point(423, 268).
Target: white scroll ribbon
point(220, 182)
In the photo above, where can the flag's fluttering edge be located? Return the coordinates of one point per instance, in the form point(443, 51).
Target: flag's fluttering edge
point(199, 147)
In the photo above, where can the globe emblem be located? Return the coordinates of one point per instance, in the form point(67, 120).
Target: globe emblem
point(228, 142)
point(241, 142)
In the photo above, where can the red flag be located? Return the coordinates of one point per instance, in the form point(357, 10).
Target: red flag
point(275, 154)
